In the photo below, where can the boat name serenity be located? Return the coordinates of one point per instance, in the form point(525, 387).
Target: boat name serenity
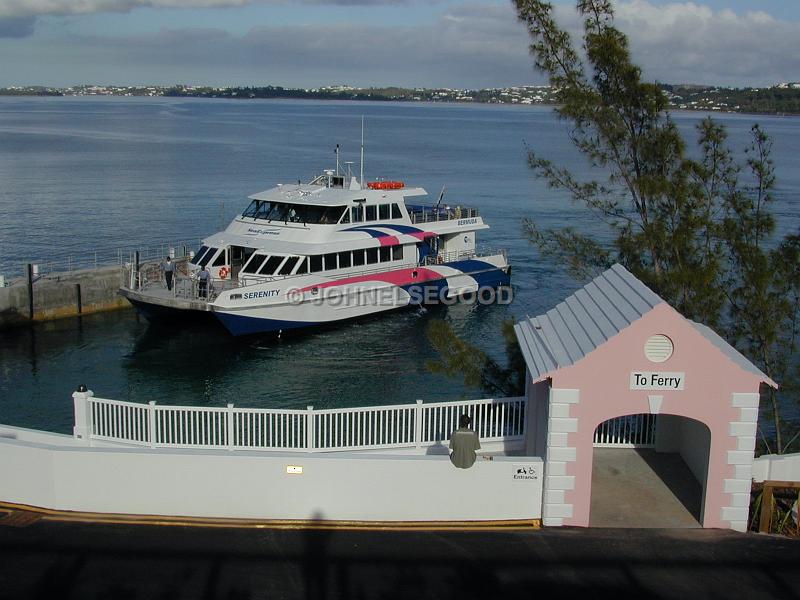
point(313, 254)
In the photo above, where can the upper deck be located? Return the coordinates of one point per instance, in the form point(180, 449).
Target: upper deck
point(334, 212)
point(420, 213)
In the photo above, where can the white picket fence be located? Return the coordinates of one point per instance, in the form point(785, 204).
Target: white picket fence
point(368, 428)
point(630, 431)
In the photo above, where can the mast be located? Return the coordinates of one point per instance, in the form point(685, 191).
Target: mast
point(337, 159)
point(362, 152)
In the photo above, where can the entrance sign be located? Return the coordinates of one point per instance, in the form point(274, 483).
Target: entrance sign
point(650, 380)
point(525, 473)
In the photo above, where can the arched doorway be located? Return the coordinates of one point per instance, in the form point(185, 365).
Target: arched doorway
point(649, 471)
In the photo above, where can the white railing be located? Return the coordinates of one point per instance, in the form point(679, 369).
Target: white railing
point(368, 428)
point(456, 255)
point(630, 431)
point(61, 265)
point(430, 214)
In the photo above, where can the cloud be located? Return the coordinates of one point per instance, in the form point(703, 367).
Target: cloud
point(29, 8)
point(467, 45)
point(16, 27)
point(689, 42)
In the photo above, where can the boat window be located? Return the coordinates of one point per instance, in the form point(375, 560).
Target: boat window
point(303, 268)
point(345, 217)
point(358, 213)
point(330, 262)
point(385, 252)
point(316, 263)
point(288, 266)
point(396, 213)
point(358, 258)
point(199, 255)
point(303, 213)
point(372, 256)
point(271, 264)
point(263, 210)
point(208, 256)
point(397, 252)
point(220, 260)
point(258, 209)
point(383, 211)
point(255, 263)
point(344, 260)
point(252, 209)
point(372, 213)
point(327, 180)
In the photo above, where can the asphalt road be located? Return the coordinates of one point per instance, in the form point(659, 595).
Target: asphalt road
point(129, 562)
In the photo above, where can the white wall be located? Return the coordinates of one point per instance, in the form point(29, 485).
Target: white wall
point(255, 485)
point(687, 437)
point(538, 395)
point(777, 467)
point(695, 447)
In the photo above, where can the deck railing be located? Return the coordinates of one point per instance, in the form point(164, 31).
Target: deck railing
point(432, 214)
point(368, 428)
point(62, 265)
point(630, 431)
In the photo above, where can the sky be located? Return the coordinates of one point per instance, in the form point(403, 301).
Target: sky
point(410, 43)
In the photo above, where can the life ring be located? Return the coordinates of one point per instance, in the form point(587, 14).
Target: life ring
point(223, 272)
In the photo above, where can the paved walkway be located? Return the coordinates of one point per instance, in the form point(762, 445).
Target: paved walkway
point(57, 561)
point(642, 488)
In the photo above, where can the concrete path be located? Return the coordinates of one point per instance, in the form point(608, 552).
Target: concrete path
point(56, 561)
point(642, 488)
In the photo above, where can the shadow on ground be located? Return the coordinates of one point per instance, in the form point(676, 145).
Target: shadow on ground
point(59, 560)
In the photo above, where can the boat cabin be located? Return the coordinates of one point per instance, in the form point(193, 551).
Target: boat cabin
point(283, 231)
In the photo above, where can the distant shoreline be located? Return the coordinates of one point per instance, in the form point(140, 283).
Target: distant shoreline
point(781, 101)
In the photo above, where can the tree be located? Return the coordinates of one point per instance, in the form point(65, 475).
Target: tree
point(459, 358)
point(690, 229)
point(762, 282)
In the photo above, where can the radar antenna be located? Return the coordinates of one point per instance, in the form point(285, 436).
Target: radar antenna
point(441, 195)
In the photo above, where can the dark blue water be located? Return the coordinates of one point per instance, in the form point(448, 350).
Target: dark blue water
point(79, 175)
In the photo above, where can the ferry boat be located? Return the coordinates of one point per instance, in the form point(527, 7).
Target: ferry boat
point(334, 249)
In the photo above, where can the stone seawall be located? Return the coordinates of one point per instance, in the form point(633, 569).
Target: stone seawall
point(65, 295)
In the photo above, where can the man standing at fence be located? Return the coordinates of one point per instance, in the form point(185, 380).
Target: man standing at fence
point(169, 271)
point(202, 282)
point(463, 444)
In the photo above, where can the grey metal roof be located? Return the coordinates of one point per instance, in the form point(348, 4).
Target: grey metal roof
point(318, 195)
point(732, 353)
point(591, 316)
point(584, 321)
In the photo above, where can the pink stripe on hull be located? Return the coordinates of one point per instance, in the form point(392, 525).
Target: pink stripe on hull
point(389, 240)
point(399, 277)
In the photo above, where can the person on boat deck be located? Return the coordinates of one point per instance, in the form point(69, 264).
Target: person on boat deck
point(463, 444)
point(169, 271)
point(202, 282)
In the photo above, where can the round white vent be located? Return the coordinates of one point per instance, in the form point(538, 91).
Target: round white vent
point(658, 348)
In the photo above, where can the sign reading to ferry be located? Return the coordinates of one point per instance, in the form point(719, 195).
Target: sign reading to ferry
point(650, 380)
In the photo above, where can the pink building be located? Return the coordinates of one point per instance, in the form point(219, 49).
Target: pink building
point(614, 349)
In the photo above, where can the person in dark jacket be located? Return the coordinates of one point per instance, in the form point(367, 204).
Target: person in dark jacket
point(463, 444)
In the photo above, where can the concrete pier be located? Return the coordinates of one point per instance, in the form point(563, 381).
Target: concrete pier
point(62, 295)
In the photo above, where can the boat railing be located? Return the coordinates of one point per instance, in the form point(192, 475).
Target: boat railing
point(419, 213)
point(187, 287)
point(231, 428)
point(57, 267)
point(457, 255)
